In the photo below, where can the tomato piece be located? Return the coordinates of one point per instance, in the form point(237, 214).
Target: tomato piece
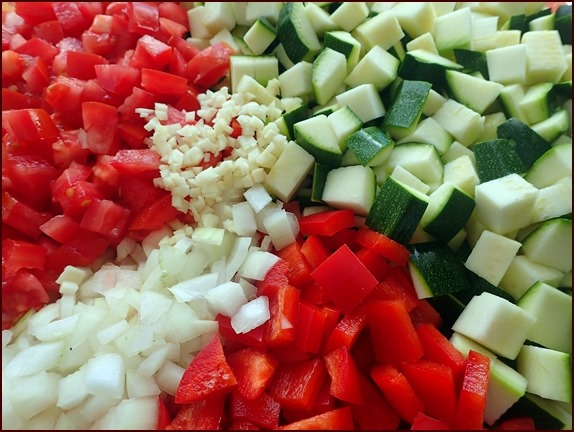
point(262, 411)
point(21, 217)
point(327, 223)
point(81, 250)
point(434, 384)
point(143, 18)
point(100, 122)
point(208, 375)
point(210, 65)
point(384, 246)
point(37, 47)
point(394, 337)
point(472, 398)
point(81, 64)
point(253, 370)
point(35, 13)
point(163, 83)
point(296, 385)
point(71, 18)
point(61, 228)
point(106, 218)
point(76, 199)
point(337, 419)
point(346, 279)
point(174, 12)
point(74, 173)
point(137, 99)
point(18, 254)
point(398, 392)
point(12, 67)
point(13, 100)
point(142, 163)
point(33, 128)
point(345, 382)
point(154, 216)
point(50, 31)
point(64, 95)
point(118, 79)
point(188, 101)
point(206, 414)
point(22, 292)
point(187, 50)
point(151, 53)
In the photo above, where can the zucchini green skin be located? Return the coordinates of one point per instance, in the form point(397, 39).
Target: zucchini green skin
point(497, 158)
point(417, 69)
point(396, 212)
point(407, 104)
point(298, 114)
point(452, 218)
point(440, 267)
point(529, 145)
point(473, 61)
point(366, 143)
point(288, 33)
point(319, 178)
point(563, 23)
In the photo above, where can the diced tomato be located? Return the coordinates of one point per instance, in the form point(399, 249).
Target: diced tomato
point(37, 47)
point(139, 194)
point(155, 215)
point(345, 383)
point(81, 64)
point(205, 414)
point(208, 375)
point(337, 419)
point(174, 12)
point(36, 75)
point(163, 83)
point(50, 31)
point(35, 13)
point(61, 228)
point(82, 250)
point(76, 198)
point(71, 18)
point(151, 53)
point(210, 65)
point(143, 18)
point(106, 218)
point(17, 254)
point(22, 292)
point(21, 217)
point(118, 79)
point(346, 279)
point(100, 122)
point(13, 100)
point(142, 163)
point(398, 391)
point(296, 385)
point(262, 411)
point(253, 370)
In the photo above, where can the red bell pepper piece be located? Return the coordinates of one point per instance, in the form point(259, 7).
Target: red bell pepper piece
point(472, 398)
point(344, 237)
point(253, 370)
point(326, 223)
point(377, 264)
point(394, 337)
point(439, 349)
point(338, 419)
point(346, 279)
point(296, 385)
point(315, 251)
point(344, 375)
point(425, 313)
point(347, 330)
point(323, 402)
point(284, 311)
point(313, 324)
point(298, 269)
point(163, 417)
point(275, 278)
point(375, 413)
point(518, 423)
point(254, 338)
point(434, 384)
point(398, 391)
point(262, 411)
point(424, 422)
point(205, 414)
point(383, 245)
point(207, 375)
point(393, 287)
point(242, 425)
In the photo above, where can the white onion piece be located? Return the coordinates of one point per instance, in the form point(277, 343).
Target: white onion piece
point(31, 394)
point(138, 385)
point(257, 264)
point(251, 315)
point(34, 359)
point(72, 390)
point(97, 406)
point(137, 413)
point(58, 329)
point(169, 376)
point(280, 228)
point(105, 376)
point(195, 288)
point(257, 197)
point(226, 298)
point(208, 235)
point(237, 255)
point(244, 219)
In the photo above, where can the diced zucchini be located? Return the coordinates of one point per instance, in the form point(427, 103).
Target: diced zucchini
point(260, 68)
point(350, 14)
point(545, 56)
point(402, 175)
point(369, 31)
point(344, 123)
point(364, 100)
point(377, 67)
point(260, 36)
point(550, 244)
point(464, 124)
point(472, 61)
point(350, 187)
point(328, 74)
point(475, 93)
point(529, 145)
point(267, 10)
point(554, 126)
point(434, 101)
point(538, 102)
point(497, 158)
point(436, 270)
point(484, 30)
point(397, 210)
point(448, 212)
point(506, 203)
point(495, 323)
point(406, 108)
point(553, 311)
point(523, 273)
point(453, 30)
point(320, 19)
point(421, 160)
point(316, 135)
point(547, 414)
point(429, 131)
point(296, 81)
point(421, 65)
point(549, 372)
point(371, 146)
point(491, 256)
point(416, 18)
point(507, 65)
point(346, 44)
point(424, 42)
point(462, 173)
point(457, 150)
point(292, 117)
point(319, 178)
point(296, 33)
point(491, 123)
point(510, 97)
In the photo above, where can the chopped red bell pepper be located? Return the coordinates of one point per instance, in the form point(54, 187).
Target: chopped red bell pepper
point(203, 414)
point(337, 419)
point(394, 337)
point(315, 251)
point(384, 246)
point(425, 422)
point(326, 223)
point(262, 411)
point(298, 269)
point(375, 413)
point(393, 287)
point(323, 402)
point(313, 324)
point(398, 391)
point(207, 375)
point(296, 385)
point(425, 313)
point(284, 312)
point(439, 349)
point(253, 370)
point(377, 264)
point(472, 398)
point(346, 279)
point(275, 278)
point(347, 330)
point(345, 384)
point(518, 423)
point(163, 417)
point(254, 338)
point(434, 384)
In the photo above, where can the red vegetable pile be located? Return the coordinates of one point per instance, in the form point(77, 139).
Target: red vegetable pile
point(77, 176)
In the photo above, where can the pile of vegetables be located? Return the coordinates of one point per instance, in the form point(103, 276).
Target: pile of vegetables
point(278, 216)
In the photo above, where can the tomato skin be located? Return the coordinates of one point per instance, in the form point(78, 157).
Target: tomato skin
point(135, 162)
point(18, 255)
point(35, 13)
point(81, 64)
point(21, 217)
point(163, 83)
point(22, 292)
point(33, 128)
point(100, 122)
point(143, 18)
point(151, 53)
point(117, 79)
point(210, 65)
point(155, 215)
point(106, 218)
